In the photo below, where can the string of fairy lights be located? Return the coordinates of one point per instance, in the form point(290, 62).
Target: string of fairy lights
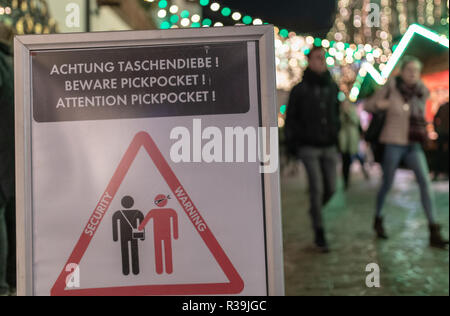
point(353, 48)
point(174, 17)
point(291, 48)
point(352, 25)
point(370, 51)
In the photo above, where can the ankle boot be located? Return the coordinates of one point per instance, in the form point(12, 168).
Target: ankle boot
point(321, 241)
point(379, 228)
point(436, 239)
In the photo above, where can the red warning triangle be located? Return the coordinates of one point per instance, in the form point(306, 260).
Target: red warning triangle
point(142, 139)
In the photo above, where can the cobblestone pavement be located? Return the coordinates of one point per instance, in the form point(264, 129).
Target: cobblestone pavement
point(408, 266)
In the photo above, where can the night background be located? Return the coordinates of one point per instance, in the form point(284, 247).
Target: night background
point(301, 16)
point(361, 57)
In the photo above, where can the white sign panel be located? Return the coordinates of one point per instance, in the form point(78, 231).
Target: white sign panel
point(143, 165)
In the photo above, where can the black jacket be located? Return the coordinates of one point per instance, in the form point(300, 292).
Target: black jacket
point(7, 174)
point(441, 122)
point(313, 114)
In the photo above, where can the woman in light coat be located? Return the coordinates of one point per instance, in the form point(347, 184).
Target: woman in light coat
point(400, 98)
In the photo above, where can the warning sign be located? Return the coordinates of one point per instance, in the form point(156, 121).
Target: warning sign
point(169, 82)
point(142, 160)
point(165, 227)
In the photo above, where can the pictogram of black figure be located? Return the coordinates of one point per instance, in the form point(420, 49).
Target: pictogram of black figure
point(129, 221)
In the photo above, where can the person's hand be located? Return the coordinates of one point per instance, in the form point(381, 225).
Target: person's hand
point(383, 104)
point(346, 106)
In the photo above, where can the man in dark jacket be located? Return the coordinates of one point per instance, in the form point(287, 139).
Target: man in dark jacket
point(7, 173)
point(312, 127)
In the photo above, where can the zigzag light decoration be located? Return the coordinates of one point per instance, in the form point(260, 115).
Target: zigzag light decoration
point(381, 78)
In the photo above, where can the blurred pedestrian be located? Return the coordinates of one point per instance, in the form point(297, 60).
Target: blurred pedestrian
point(403, 102)
point(312, 126)
point(442, 129)
point(7, 173)
point(349, 140)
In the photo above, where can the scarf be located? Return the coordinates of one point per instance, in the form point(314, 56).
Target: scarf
point(409, 92)
point(314, 78)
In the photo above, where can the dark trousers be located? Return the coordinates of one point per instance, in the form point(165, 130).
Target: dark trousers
point(347, 161)
point(442, 156)
point(4, 288)
point(7, 247)
point(10, 217)
point(321, 165)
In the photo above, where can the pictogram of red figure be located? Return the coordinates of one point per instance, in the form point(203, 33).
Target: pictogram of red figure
point(162, 230)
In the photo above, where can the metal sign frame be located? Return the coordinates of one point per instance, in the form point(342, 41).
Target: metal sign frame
point(24, 47)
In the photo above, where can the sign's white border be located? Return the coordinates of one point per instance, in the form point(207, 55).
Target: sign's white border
point(23, 48)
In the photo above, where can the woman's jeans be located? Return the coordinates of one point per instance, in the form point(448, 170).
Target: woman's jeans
point(4, 289)
point(414, 158)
